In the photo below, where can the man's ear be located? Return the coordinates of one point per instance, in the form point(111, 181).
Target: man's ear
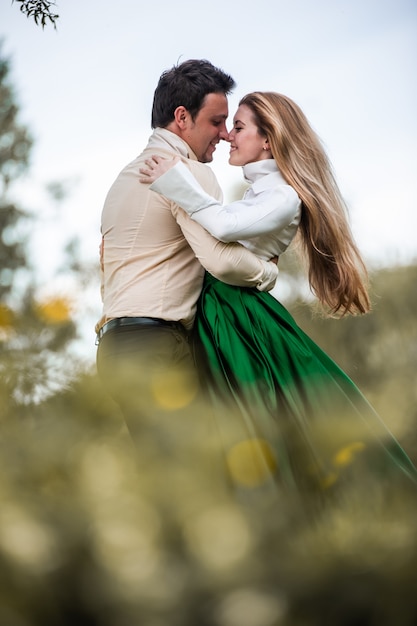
point(181, 116)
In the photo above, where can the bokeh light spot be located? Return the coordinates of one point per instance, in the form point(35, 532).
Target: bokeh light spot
point(219, 537)
point(251, 462)
point(174, 389)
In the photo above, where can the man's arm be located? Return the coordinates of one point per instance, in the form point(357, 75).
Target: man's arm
point(231, 263)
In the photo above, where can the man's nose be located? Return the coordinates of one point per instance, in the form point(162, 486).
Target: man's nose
point(224, 134)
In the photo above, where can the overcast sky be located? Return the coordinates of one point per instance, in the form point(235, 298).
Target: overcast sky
point(86, 89)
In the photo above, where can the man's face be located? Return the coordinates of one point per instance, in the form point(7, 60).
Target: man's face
point(208, 128)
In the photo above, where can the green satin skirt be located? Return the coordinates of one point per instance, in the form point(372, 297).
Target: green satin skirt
point(284, 410)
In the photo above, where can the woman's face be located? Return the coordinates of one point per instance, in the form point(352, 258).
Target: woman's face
point(246, 144)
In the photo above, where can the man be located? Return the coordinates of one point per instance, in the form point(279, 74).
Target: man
point(153, 256)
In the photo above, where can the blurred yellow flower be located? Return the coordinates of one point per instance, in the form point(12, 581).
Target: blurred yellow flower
point(251, 462)
point(55, 310)
point(6, 316)
point(346, 455)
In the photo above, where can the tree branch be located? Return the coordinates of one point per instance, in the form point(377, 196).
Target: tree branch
point(40, 10)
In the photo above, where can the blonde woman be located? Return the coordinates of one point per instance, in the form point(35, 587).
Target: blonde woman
point(304, 419)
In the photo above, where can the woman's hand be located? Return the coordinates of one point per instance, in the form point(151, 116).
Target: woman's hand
point(156, 166)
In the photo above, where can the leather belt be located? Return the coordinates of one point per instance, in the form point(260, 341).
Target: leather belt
point(119, 322)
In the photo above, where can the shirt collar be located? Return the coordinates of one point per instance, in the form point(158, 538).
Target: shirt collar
point(161, 137)
point(254, 172)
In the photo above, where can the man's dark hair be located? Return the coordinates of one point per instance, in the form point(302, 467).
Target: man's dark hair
point(187, 85)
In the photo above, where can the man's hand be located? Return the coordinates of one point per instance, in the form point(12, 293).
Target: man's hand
point(156, 166)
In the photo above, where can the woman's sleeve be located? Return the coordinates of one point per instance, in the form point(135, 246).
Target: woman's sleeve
point(268, 212)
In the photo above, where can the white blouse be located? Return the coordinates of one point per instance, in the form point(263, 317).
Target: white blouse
point(266, 219)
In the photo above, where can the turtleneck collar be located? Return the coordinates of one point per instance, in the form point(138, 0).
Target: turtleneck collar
point(253, 171)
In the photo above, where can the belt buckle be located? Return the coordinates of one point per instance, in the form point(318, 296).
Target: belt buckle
point(99, 335)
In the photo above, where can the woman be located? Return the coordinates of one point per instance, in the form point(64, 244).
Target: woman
point(301, 420)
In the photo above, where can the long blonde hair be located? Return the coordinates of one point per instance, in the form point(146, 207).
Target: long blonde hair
point(336, 271)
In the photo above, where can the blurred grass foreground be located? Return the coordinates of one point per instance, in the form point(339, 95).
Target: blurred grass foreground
point(96, 532)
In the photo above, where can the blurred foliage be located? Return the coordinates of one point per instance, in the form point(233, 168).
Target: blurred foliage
point(39, 10)
point(15, 140)
point(34, 332)
point(15, 144)
point(97, 532)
